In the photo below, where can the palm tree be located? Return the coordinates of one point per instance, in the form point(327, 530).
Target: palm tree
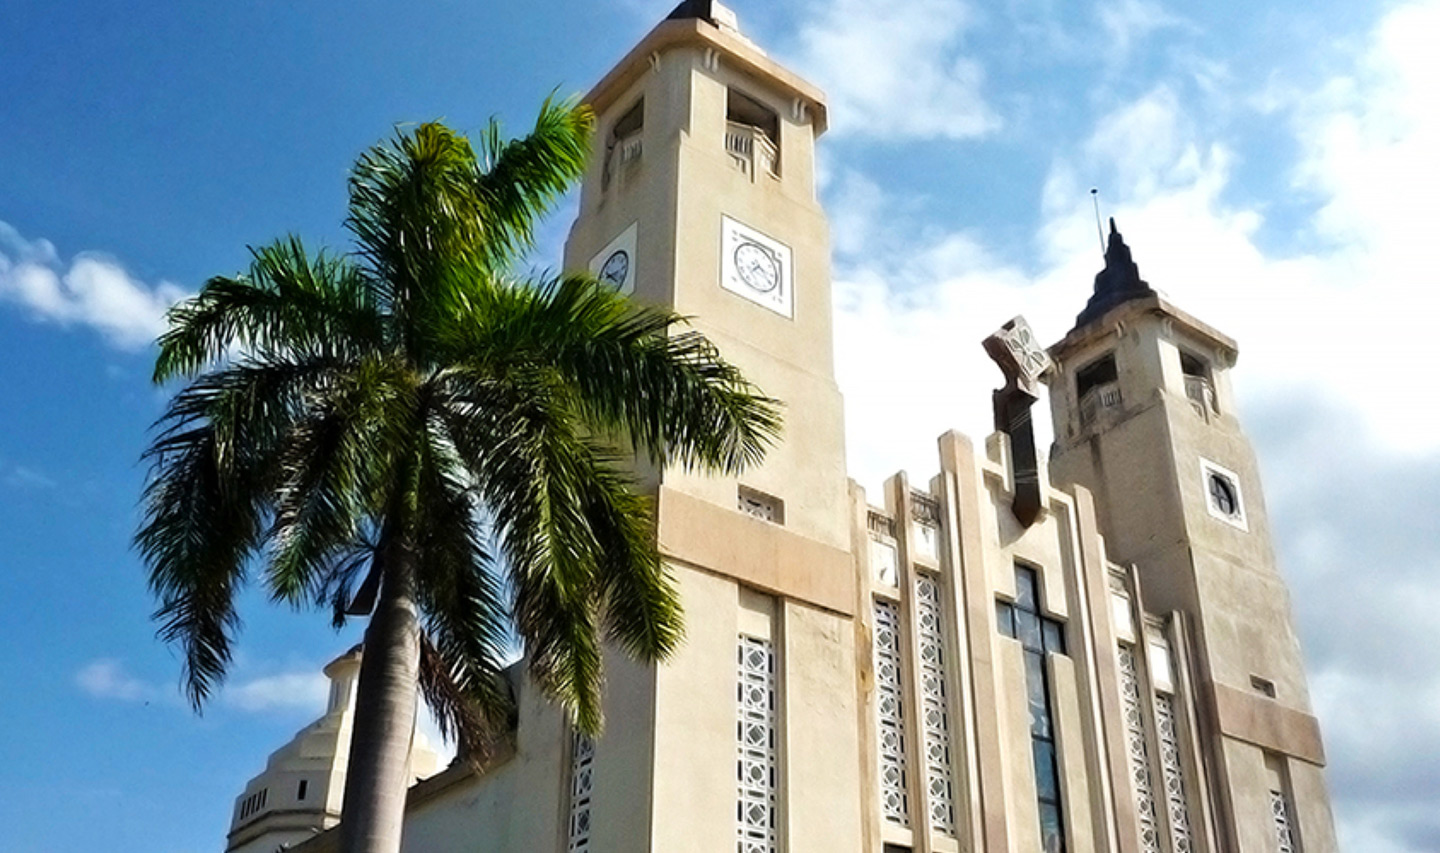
point(410, 432)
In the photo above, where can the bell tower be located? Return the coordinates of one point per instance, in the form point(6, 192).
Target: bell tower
point(701, 198)
point(1145, 419)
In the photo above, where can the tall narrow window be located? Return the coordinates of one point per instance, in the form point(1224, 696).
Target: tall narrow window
point(1180, 833)
point(1284, 828)
point(1139, 755)
point(890, 714)
point(935, 711)
point(755, 735)
point(582, 780)
point(1040, 636)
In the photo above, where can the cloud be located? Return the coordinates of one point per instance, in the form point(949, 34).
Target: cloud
point(304, 690)
point(1335, 336)
point(895, 71)
point(283, 692)
point(1128, 22)
point(106, 678)
point(23, 477)
point(90, 290)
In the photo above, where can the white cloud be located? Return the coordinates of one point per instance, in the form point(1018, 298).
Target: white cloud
point(1127, 22)
point(23, 477)
point(91, 290)
point(106, 678)
point(896, 71)
point(303, 690)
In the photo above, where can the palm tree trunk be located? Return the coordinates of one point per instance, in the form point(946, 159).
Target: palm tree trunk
point(385, 705)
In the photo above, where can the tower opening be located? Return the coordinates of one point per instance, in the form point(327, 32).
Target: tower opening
point(752, 134)
point(1193, 365)
point(1198, 385)
point(622, 147)
point(1099, 372)
point(1097, 387)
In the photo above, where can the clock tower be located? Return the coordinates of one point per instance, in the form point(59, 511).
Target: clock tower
point(701, 198)
point(1145, 419)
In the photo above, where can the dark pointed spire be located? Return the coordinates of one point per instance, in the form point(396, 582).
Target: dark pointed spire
point(1119, 282)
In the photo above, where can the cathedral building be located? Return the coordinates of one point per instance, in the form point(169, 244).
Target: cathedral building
point(1088, 650)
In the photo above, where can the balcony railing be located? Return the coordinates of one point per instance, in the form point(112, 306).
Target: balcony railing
point(1097, 400)
point(623, 157)
point(1202, 395)
point(880, 524)
point(750, 148)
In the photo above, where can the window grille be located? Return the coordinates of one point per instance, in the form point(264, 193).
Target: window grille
point(1135, 746)
point(582, 780)
point(934, 710)
point(1284, 834)
point(890, 707)
point(760, 505)
point(755, 763)
point(1180, 834)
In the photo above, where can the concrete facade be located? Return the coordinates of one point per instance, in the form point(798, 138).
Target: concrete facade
point(918, 670)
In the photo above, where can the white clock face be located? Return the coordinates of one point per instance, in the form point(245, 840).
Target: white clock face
point(616, 269)
point(615, 264)
point(756, 266)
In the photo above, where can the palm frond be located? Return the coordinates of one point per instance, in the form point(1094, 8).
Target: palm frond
point(415, 215)
point(673, 396)
point(288, 305)
point(466, 610)
point(212, 466)
point(529, 467)
point(199, 531)
point(521, 179)
point(334, 474)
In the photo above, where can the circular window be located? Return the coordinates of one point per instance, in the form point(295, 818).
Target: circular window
point(1223, 495)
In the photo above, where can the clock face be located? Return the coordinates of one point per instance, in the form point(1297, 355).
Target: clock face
point(616, 268)
point(757, 268)
point(615, 264)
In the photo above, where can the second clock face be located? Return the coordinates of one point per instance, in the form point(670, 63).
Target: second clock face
point(756, 266)
point(615, 264)
point(616, 269)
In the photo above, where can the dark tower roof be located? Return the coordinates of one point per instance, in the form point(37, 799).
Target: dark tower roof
point(692, 9)
point(1119, 282)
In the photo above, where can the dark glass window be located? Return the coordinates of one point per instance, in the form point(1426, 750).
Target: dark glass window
point(300, 791)
point(1099, 372)
point(1039, 635)
point(1193, 365)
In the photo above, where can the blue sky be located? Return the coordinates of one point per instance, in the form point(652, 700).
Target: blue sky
point(1271, 167)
